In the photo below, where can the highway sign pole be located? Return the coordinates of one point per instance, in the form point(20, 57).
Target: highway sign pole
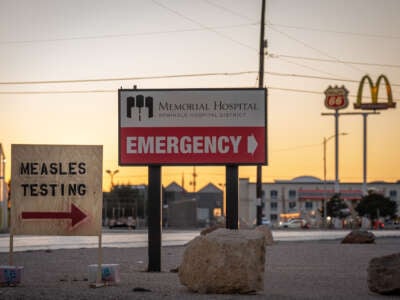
point(232, 197)
point(154, 218)
point(337, 188)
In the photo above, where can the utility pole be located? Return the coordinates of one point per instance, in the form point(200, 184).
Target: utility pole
point(260, 85)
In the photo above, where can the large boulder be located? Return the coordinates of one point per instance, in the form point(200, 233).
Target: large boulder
point(384, 274)
point(224, 262)
point(211, 229)
point(359, 237)
point(266, 231)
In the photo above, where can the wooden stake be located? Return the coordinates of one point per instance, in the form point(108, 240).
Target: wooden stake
point(99, 282)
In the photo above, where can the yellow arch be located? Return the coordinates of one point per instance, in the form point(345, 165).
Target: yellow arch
point(388, 89)
point(374, 89)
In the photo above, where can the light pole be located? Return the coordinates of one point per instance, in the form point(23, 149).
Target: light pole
point(336, 136)
point(112, 173)
point(223, 186)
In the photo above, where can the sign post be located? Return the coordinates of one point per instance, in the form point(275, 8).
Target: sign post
point(373, 105)
point(191, 127)
point(336, 98)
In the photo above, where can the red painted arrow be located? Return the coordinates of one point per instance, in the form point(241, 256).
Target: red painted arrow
point(76, 215)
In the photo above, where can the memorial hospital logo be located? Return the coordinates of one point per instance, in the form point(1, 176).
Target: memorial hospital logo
point(139, 106)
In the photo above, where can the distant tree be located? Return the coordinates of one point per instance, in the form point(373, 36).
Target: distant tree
point(336, 207)
point(375, 204)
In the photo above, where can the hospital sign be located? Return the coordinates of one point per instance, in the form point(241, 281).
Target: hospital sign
point(192, 126)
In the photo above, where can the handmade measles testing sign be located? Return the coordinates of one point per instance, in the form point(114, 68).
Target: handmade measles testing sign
point(56, 189)
point(192, 126)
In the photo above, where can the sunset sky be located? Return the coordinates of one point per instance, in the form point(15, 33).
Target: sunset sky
point(62, 63)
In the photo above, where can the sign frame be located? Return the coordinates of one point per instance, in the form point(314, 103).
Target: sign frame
point(56, 189)
point(374, 90)
point(167, 162)
point(335, 94)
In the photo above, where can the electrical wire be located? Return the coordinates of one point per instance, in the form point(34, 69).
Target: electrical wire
point(115, 91)
point(272, 55)
point(109, 36)
point(158, 77)
point(316, 50)
point(202, 25)
point(227, 9)
point(335, 31)
point(318, 77)
point(125, 78)
point(312, 92)
point(308, 67)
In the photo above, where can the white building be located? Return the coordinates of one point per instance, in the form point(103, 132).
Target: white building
point(3, 192)
point(303, 197)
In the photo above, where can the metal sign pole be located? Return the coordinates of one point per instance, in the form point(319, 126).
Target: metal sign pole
point(364, 187)
point(232, 197)
point(154, 218)
point(337, 188)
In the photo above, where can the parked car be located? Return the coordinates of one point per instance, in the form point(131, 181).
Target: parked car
point(265, 221)
point(294, 223)
point(122, 222)
point(392, 224)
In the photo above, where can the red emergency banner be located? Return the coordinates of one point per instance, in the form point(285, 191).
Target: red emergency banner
point(192, 126)
point(202, 145)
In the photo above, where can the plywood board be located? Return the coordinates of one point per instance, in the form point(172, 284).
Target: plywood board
point(56, 189)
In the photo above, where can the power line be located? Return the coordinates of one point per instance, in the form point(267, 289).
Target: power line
point(202, 25)
point(336, 31)
point(171, 76)
point(315, 49)
point(123, 35)
point(333, 61)
point(290, 62)
point(310, 92)
point(126, 78)
point(114, 91)
point(308, 67)
point(227, 9)
point(319, 77)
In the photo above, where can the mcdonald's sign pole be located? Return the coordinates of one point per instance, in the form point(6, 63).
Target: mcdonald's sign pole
point(373, 105)
point(335, 100)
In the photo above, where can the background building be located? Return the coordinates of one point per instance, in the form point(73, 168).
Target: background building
point(191, 209)
point(303, 197)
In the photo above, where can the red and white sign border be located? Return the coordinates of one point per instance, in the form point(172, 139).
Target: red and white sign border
point(176, 161)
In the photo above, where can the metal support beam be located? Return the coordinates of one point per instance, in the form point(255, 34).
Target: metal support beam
point(154, 219)
point(232, 197)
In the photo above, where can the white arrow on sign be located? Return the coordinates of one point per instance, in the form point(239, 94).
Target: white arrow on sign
point(251, 144)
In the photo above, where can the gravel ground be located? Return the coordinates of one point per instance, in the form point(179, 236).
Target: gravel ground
point(294, 270)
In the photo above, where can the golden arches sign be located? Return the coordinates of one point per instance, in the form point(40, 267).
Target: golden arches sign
point(374, 94)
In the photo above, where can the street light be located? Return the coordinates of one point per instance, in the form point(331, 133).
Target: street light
point(112, 173)
point(336, 168)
